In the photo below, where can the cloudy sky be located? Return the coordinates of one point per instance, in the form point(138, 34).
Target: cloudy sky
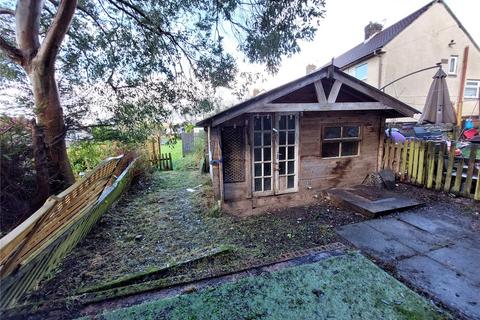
point(343, 26)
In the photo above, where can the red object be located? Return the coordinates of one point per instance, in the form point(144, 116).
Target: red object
point(470, 133)
point(458, 152)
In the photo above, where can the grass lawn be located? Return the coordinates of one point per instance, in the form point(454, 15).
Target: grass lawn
point(343, 287)
point(160, 222)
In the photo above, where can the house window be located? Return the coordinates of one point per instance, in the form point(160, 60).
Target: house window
point(472, 88)
point(340, 141)
point(452, 65)
point(361, 72)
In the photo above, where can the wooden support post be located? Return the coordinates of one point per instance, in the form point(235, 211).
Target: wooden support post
point(398, 154)
point(477, 187)
point(440, 162)
point(461, 90)
point(471, 166)
point(451, 161)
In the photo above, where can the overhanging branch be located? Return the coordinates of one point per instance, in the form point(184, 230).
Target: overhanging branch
point(12, 52)
point(7, 11)
point(56, 33)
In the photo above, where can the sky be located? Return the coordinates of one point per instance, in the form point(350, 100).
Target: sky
point(342, 29)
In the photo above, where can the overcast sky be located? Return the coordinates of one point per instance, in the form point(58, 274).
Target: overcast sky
point(343, 26)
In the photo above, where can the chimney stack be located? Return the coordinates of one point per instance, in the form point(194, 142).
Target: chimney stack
point(310, 68)
point(371, 28)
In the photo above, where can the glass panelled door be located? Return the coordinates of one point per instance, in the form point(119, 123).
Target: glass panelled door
point(262, 154)
point(287, 153)
point(275, 153)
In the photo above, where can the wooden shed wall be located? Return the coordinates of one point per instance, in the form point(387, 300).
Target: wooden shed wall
point(315, 172)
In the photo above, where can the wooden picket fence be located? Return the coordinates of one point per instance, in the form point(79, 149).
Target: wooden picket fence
point(162, 161)
point(30, 251)
point(432, 165)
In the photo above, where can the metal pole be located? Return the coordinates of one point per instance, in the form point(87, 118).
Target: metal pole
point(438, 65)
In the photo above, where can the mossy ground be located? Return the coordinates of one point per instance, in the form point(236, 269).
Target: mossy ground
point(343, 287)
point(159, 221)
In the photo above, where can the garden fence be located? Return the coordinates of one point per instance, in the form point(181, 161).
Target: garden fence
point(162, 161)
point(30, 251)
point(432, 165)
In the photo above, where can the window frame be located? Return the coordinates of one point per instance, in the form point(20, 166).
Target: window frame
point(262, 161)
point(341, 139)
point(454, 72)
point(366, 74)
point(477, 88)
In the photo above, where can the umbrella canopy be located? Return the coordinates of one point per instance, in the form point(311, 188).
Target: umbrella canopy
point(438, 107)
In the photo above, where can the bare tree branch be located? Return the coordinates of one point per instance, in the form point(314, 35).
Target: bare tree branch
point(12, 52)
point(49, 48)
point(7, 11)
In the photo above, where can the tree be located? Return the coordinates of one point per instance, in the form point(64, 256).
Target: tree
point(172, 49)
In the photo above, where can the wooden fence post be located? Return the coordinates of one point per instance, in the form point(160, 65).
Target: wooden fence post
point(430, 163)
point(440, 162)
point(451, 160)
point(471, 166)
point(403, 166)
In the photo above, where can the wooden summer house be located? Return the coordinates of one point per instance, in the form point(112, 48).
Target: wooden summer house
point(282, 147)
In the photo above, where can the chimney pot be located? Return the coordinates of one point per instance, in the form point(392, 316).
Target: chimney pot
point(371, 28)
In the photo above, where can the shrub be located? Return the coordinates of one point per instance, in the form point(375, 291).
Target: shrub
point(85, 155)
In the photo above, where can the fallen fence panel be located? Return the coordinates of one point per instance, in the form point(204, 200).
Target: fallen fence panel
point(35, 247)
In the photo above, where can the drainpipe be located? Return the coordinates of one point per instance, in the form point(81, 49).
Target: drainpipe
point(461, 90)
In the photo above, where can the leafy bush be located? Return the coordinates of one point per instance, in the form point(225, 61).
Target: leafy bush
point(85, 155)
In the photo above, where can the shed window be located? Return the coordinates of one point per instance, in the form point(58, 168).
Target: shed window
point(340, 141)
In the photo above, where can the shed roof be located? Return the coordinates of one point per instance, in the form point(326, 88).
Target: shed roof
point(356, 91)
point(379, 40)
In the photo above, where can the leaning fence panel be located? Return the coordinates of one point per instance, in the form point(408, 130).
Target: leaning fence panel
point(35, 247)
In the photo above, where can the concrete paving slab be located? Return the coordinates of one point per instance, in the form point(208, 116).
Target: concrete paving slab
point(434, 224)
point(374, 242)
point(407, 234)
point(463, 257)
point(453, 289)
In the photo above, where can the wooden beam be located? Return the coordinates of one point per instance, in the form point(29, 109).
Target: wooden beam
point(337, 106)
point(276, 93)
point(376, 94)
point(322, 98)
point(332, 97)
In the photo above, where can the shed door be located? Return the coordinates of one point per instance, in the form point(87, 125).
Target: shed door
point(274, 153)
point(286, 168)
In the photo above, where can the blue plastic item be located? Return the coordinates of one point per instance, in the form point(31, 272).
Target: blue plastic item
point(468, 124)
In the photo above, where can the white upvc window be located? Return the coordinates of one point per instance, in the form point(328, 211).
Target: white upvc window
point(361, 71)
point(472, 89)
point(452, 65)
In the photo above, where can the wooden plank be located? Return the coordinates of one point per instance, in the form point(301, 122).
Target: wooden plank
point(440, 161)
point(421, 164)
point(430, 164)
point(458, 178)
point(268, 97)
point(321, 97)
point(398, 157)
point(477, 187)
point(332, 97)
point(386, 155)
point(471, 166)
point(320, 106)
point(403, 166)
point(411, 147)
point(451, 161)
point(416, 148)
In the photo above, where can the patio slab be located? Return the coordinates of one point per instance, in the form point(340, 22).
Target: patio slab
point(437, 253)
